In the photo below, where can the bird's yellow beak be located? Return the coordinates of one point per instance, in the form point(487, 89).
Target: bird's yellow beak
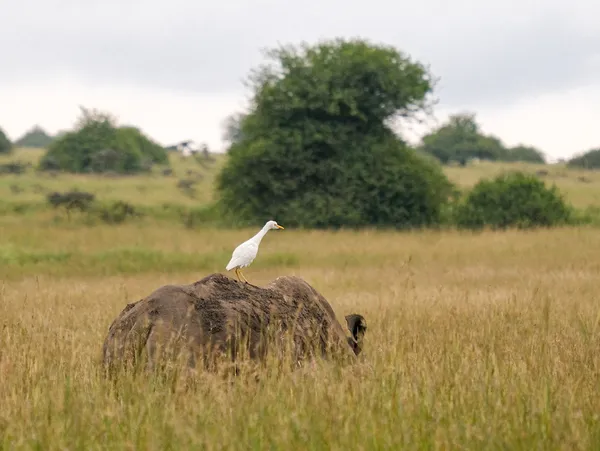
point(279, 227)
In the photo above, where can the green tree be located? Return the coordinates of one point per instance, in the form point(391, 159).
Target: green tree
point(460, 140)
point(527, 154)
point(5, 144)
point(315, 150)
point(36, 137)
point(513, 199)
point(98, 145)
point(588, 160)
point(135, 139)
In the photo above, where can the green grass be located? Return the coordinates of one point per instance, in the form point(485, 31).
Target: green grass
point(153, 190)
point(160, 197)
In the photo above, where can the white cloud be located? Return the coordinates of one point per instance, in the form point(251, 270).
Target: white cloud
point(175, 68)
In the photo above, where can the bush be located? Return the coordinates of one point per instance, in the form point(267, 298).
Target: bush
point(71, 200)
point(315, 151)
point(98, 145)
point(133, 138)
point(113, 212)
point(35, 138)
point(49, 163)
point(116, 212)
point(526, 154)
point(589, 160)
point(514, 199)
point(375, 182)
point(5, 144)
point(461, 140)
point(15, 167)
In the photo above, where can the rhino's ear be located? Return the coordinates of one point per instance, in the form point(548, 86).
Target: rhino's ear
point(357, 325)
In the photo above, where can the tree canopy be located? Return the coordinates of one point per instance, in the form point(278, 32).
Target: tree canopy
point(97, 144)
point(35, 137)
point(460, 139)
point(588, 160)
point(527, 154)
point(314, 150)
point(5, 144)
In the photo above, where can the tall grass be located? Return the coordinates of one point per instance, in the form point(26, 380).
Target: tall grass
point(474, 341)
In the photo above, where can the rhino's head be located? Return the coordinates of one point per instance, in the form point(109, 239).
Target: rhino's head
point(357, 325)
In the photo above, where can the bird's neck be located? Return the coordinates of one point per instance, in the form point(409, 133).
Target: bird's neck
point(259, 236)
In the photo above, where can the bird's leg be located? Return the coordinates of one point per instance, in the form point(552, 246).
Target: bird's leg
point(237, 273)
point(243, 277)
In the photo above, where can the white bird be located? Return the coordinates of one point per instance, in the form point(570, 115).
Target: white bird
point(246, 252)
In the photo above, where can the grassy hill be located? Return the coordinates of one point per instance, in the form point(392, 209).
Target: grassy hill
point(582, 188)
point(152, 189)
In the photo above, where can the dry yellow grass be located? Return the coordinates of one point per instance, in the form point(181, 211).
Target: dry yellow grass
point(484, 341)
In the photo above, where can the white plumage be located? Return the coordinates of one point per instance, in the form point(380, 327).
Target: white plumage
point(246, 252)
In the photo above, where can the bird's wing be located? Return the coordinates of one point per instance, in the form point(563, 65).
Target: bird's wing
point(243, 255)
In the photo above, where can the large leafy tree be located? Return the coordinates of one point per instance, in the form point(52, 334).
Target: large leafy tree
point(314, 149)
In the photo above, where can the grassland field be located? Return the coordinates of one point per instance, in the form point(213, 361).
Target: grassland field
point(480, 341)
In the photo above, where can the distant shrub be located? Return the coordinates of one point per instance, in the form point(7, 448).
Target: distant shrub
point(14, 167)
point(188, 187)
point(512, 200)
point(112, 212)
point(133, 138)
point(526, 154)
point(49, 163)
point(589, 160)
point(116, 212)
point(98, 145)
point(5, 144)
point(71, 200)
point(35, 137)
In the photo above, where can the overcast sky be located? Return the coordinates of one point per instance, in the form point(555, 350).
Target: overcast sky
point(530, 70)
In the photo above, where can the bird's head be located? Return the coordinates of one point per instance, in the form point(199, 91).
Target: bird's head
point(273, 225)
